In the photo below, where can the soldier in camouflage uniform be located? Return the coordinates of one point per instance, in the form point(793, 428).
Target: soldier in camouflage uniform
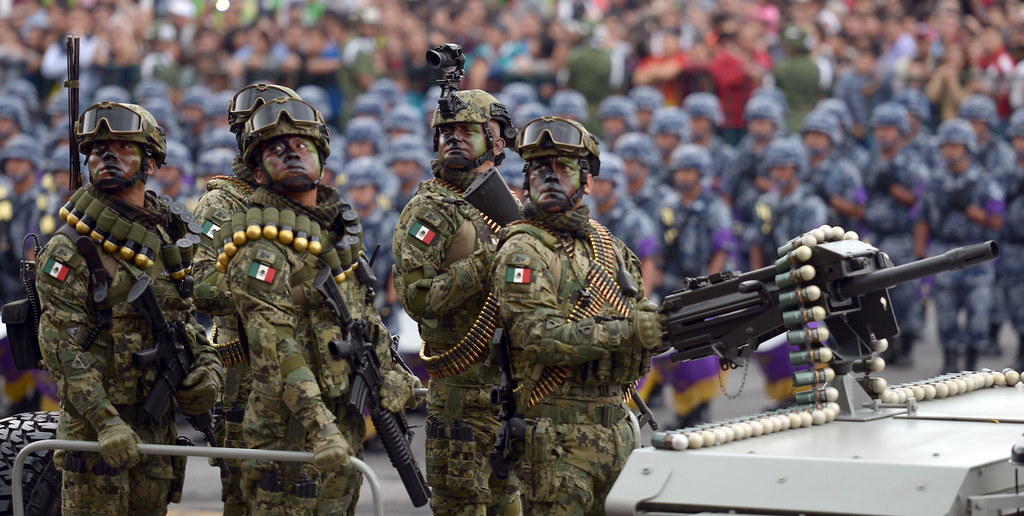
point(960, 207)
point(227, 194)
point(298, 391)
point(706, 119)
point(893, 179)
point(581, 329)
point(443, 251)
point(88, 345)
point(1009, 274)
point(640, 157)
point(832, 177)
point(992, 152)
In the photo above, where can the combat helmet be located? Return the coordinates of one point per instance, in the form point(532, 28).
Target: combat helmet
point(117, 121)
point(481, 107)
point(247, 99)
point(957, 130)
point(284, 116)
point(979, 107)
point(891, 114)
point(556, 136)
point(690, 155)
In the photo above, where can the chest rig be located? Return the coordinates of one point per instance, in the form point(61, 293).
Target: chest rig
point(475, 343)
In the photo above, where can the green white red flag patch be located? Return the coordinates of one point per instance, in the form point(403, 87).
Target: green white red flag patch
point(209, 228)
point(56, 269)
point(422, 233)
point(517, 275)
point(262, 272)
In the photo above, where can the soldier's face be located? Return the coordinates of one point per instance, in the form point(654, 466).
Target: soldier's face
point(686, 179)
point(18, 169)
point(460, 141)
point(954, 155)
point(603, 190)
point(887, 136)
point(362, 197)
point(407, 170)
point(818, 144)
point(701, 127)
point(980, 129)
point(7, 127)
point(1018, 146)
point(783, 178)
point(290, 156)
point(116, 160)
point(614, 126)
point(553, 180)
point(359, 149)
point(761, 130)
point(666, 142)
point(168, 176)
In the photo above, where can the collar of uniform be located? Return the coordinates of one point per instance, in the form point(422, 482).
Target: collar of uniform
point(574, 222)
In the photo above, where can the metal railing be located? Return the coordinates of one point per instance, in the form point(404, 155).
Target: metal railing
point(186, 451)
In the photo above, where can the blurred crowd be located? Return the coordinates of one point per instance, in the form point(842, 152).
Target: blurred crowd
point(726, 127)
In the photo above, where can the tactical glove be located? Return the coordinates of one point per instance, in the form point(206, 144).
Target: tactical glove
point(647, 325)
point(960, 199)
point(117, 443)
point(200, 389)
point(398, 391)
point(331, 452)
point(885, 180)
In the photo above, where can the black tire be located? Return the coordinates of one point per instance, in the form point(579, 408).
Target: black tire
point(40, 480)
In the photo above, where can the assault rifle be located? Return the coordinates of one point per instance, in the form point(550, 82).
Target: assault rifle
point(729, 314)
point(357, 347)
point(513, 427)
point(173, 358)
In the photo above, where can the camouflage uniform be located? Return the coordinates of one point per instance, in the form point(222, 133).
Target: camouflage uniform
point(836, 176)
point(98, 382)
point(1010, 276)
point(443, 248)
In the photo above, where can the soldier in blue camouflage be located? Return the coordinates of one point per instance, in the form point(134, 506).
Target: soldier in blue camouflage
point(647, 99)
point(617, 116)
point(669, 128)
point(1009, 275)
point(88, 345)
point(299, 388)
point(959, 208)
point(992, 152)
point(580, 331)
point(834, 179)
point(224, 195)
point(894, 181)
point(921, 140)
point(443, 251)
point(410, 163)
point(850, 148)
point(698, 240)
point(706, 119)
point(640, 157)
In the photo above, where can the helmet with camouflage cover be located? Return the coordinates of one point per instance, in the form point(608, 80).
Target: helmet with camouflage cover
point(285, 116)
point(891, 114)
point(957, 131)
point(247, 99)
point(94, 124)
point(481, 107)
point(552, 136)
point(690, 155)
point(979, 107)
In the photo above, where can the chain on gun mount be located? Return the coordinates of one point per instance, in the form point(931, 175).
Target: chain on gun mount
point(449, 57)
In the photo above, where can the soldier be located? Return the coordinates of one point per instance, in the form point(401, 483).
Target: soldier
point(850, 148)
point(647, 99)
point(921, 140)
point(570, 104)
point(88, 343)
point(833, 178)
point(1011, 242)
point(299, 389)
point(364, 136)
point(174, 179)
point(669, 129)
point(781, 213)
point(697, 228)
point(578, 337)
point(225, 195)
point(409, 163)
point(617, 115)
point(892, 181)
point(14, 119)
point(992, 153)
point(640, 157)
point(443, 250)
point(706, 120)
point(960, 207)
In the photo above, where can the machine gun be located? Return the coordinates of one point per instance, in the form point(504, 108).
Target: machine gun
point(172, 356)
point(513, 427)
point(843, 283)
point(364, 390)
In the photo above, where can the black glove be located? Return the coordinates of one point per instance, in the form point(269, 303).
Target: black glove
point(959, 199)
point(885, 180)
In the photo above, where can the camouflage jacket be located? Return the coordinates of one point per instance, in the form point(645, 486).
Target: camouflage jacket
point(443, 248)
point(289, 327)
point(98, 382)
point(539, 287)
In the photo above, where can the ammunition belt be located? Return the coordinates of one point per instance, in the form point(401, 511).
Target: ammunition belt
point(459, 191)
point(608, 292)
point(232, 352)
point(473, 345)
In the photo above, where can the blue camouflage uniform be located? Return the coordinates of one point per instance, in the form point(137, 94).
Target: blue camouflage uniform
point(1009, 274)
point(834, 175)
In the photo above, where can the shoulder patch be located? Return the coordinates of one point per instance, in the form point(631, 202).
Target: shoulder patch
point(519, 275)
point(262, 272)
point(210, 229)
point(422, 232)
point(56, 269)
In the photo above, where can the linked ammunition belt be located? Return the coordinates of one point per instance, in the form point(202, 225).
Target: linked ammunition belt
point(132, 240)
point(475, 343)
point(232, 352)
point(295, 230)
point(599, 277)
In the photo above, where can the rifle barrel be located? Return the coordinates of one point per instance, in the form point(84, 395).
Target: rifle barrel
point(954, 259)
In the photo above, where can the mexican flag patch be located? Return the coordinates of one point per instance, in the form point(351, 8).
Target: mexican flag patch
point(517, 275)
point(262, 272)
point(422, 233)
point(209, 228)
point(56, 269)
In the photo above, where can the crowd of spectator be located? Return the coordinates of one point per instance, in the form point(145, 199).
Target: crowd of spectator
point(706, 105)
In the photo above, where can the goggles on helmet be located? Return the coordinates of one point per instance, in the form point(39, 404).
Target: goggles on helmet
point(252, 96)
point(267, 116)
point(564, 135)
point(118, 120)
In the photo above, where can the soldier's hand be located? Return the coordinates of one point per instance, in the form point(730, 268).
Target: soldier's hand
point(118, 443)
point(647, 324)
point(398, 391)
point(331, 452)
point(200, 389)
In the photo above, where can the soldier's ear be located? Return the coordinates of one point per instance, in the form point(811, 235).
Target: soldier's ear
point(150, 166)
point(589, 185)
point(261, 178)
point(499, 146)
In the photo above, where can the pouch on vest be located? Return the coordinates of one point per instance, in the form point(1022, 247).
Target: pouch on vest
point(22, 318)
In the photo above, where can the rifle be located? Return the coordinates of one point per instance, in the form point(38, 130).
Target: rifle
point(71, 46)
point(357, 347)
point(513, 427)
point(172, 356)
point(729, 314)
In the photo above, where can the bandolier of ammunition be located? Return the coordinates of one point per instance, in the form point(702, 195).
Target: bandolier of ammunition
point(475, 343)
point(232, 352)
point(132, 240)
point(295, 230)
point(598, 277)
